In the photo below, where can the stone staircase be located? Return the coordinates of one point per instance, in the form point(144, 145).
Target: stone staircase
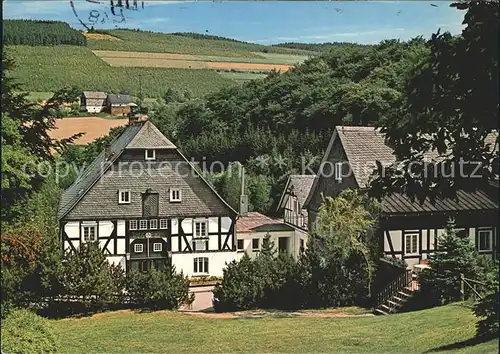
point(395, 295)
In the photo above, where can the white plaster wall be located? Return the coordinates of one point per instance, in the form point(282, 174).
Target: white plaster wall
point(187, 225)
point(105, 228)
point(213, 224)
point(213, 242)
point(120, 246)
point(216, 262)
point(120, 228)
point(396, 240)
point(247, 237)
point(117, 260)
point(226, 222)
point(94, 109)
point(175, 227)
point(412, 261)
point(71, 229)
point(175, 243)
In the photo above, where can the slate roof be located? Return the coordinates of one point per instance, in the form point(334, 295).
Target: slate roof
point(94, 194)
point(119, 99)
point(465, 201)
point(255, 222)
point(300, 185)
point(94, 94)
point(364, 145)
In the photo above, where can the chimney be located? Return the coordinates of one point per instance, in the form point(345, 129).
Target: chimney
point(243, 197)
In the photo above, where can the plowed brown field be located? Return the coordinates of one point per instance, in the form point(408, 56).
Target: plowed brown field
point(93, 127)
point(100, 36)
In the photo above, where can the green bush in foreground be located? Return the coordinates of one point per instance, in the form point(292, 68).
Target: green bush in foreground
point(25, 332)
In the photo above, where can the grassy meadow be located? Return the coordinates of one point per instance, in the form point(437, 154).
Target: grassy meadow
point(444, 329)
point(43, 69)
point(135, 41)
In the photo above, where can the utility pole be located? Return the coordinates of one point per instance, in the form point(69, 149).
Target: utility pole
point(140, 94)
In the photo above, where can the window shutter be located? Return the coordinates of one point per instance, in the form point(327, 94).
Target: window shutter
point(150, 204)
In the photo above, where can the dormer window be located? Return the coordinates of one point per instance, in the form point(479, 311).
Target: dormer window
point(123, 197)
point(338, 172)
point(175, 195)
point(150, 154)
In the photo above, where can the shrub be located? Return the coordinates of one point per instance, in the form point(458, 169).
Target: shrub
point(25, 332)
point(158, 289)
point(487, 307)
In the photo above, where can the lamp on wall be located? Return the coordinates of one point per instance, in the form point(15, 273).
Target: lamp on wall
point(127, 256)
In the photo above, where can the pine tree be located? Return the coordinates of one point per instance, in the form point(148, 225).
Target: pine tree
point(454, 255)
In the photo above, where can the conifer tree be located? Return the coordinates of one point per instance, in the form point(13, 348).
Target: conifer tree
point(454, 255)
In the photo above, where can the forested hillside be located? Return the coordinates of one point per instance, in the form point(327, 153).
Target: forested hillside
point(286, 119)
point(44, 33)
point(315, 47)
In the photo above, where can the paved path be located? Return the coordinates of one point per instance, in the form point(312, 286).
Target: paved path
point(203, 299)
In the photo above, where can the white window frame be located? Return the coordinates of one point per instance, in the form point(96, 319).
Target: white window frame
point(143, 222)
point(89, 227)
point(157, 247)
point(163, 224)
point(173, 192)
point(201, 263)
point(132, 225)
point(138, 248)
point(412, 234)
point(490, 232)
point(121, 193)
point(146, 157)
point(338, 171)
point(195, 234)
point(153, 224)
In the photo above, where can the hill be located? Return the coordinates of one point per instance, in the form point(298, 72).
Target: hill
point(439, 329)
point(42, 33)
point(185, 43)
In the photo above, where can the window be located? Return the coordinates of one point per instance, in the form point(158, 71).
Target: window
point(411, 244)
point(240, 244)
point(89, 233)
point(255, 243)
point(200, 245)
point(462, 232)
point(123, 197)
point(143, 224)
point(153, 224)
point(150, 204)
point(485, 238)
point(200, 265)
point(157, 247)
point(175, 195)
point(200, 229)
point(163, 223)
point(132, 224)
point(338, 172)
point(301, 244)
point(150, 154)
point(138, 248)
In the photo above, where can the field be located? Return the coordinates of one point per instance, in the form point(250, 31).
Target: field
point(445, 329)
point(52, 68)
point(135, 41)
point(170, 60)
point(93, 127)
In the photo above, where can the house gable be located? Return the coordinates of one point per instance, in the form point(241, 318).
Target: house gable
point(95, 195)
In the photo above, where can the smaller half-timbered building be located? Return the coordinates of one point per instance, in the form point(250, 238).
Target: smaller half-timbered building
point(407, 229)
point(146, 204)
point(291, 205)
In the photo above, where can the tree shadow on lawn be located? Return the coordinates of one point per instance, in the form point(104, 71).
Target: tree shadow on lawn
point(463, 344)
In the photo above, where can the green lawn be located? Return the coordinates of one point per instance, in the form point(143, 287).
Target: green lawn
point(45, 69)
point(439, 329)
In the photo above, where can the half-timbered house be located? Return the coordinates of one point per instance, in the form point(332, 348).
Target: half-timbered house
point(291, 205)
point(407, 229)
point(93, 102)
point(146, 204)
